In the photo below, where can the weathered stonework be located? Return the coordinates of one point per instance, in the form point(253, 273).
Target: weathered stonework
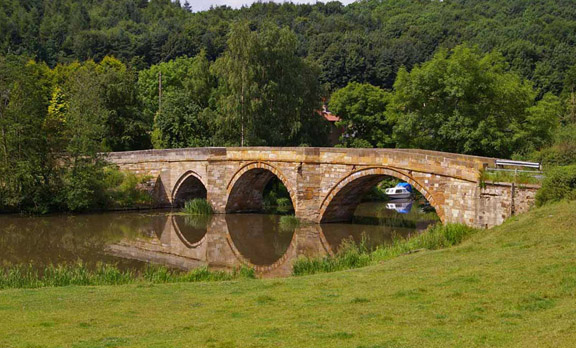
point(326, 184)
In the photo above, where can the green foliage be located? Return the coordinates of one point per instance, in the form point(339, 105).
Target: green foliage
point(80, 274)
point(125, 189)
point(182, 119)
point(563, 150)
point(366, 42)
point(268, 95)
point(276, 198)
point(466, 102)
point(361, 108)
point(351, 255)
point(559, 184)
point(197, 206)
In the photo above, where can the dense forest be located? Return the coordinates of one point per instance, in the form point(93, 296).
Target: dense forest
point(77, 78)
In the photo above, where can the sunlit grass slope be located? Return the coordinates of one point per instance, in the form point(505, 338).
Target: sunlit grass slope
point(513, 286)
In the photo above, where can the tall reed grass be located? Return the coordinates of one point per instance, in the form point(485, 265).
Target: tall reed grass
point(288, 222)
point(197, 206)
point(27, 276)
point(353, 255)
point(350, 255)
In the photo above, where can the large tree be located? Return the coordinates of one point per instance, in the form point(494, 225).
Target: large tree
point(26, 179)
point(176, 95)
point(463, 101)
point(362, 112)
point(267, 92)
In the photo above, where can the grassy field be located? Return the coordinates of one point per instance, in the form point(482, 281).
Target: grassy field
point(513, 286)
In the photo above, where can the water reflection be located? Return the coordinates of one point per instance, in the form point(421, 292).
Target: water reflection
point(133, 240)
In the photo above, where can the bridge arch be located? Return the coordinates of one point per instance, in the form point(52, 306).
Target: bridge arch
point(189, 186)
point(192, 234)
point(340, 203)
point(245, 189)
point(254, 252)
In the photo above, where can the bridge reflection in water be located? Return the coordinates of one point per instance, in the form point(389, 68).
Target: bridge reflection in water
point(228, 241)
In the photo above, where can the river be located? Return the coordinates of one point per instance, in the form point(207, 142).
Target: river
point(131, 240)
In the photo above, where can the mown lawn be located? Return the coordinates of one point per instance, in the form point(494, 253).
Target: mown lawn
point(513, 286)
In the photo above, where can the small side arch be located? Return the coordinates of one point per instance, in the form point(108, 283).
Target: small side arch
point(340, 203)
point(245, 189)
point(189, 186)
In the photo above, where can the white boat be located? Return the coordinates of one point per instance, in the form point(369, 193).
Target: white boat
point(398, 192)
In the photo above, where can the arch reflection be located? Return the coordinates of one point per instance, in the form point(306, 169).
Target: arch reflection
point(252, 240)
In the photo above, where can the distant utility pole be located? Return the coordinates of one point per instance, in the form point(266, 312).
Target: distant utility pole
point(159, 91)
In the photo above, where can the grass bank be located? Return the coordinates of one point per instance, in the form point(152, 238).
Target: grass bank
point(511, 286)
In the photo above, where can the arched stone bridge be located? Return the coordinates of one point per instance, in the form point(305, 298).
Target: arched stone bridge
point(325, 184)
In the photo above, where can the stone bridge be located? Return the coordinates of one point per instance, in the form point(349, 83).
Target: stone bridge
point(326, 184)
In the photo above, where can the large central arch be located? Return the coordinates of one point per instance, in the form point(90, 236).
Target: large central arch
point(246, 188)
point(342, 200)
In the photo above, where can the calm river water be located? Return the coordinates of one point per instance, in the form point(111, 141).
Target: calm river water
point(134, 239)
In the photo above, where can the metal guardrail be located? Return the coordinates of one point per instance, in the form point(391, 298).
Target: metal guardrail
point(510, 163)
point(513, 170)
point(536, 167)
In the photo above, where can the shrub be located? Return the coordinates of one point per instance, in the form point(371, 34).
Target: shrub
point(563, 151)
point(198, 206)
point(559, 184)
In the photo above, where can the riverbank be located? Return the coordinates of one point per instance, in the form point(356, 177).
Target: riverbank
point(514, 285)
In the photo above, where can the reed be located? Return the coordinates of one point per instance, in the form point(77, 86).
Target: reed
point(289, 222)
point(80, 274)
point(352, 255)
point(197, 206)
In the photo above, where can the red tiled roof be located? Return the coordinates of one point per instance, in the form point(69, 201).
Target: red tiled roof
point(330, 117)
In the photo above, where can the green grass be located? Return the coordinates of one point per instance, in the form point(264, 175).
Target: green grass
point(510, 177)
point(197, 206)
point(26, 276)
point(352, 255)
point(511, 286)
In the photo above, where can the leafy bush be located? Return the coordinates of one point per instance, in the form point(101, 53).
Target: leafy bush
point(198, 206)
point(559, 184)
point(125, 188)
point(563, 151)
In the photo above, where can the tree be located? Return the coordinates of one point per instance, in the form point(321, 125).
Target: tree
point(187, 87)
point(85, 128)
point(267, 92)
point(362, 112)
point(26, 175)
point(465, 102)
point(126, 127)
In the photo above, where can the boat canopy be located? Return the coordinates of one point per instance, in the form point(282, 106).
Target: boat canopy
point(405, 185)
